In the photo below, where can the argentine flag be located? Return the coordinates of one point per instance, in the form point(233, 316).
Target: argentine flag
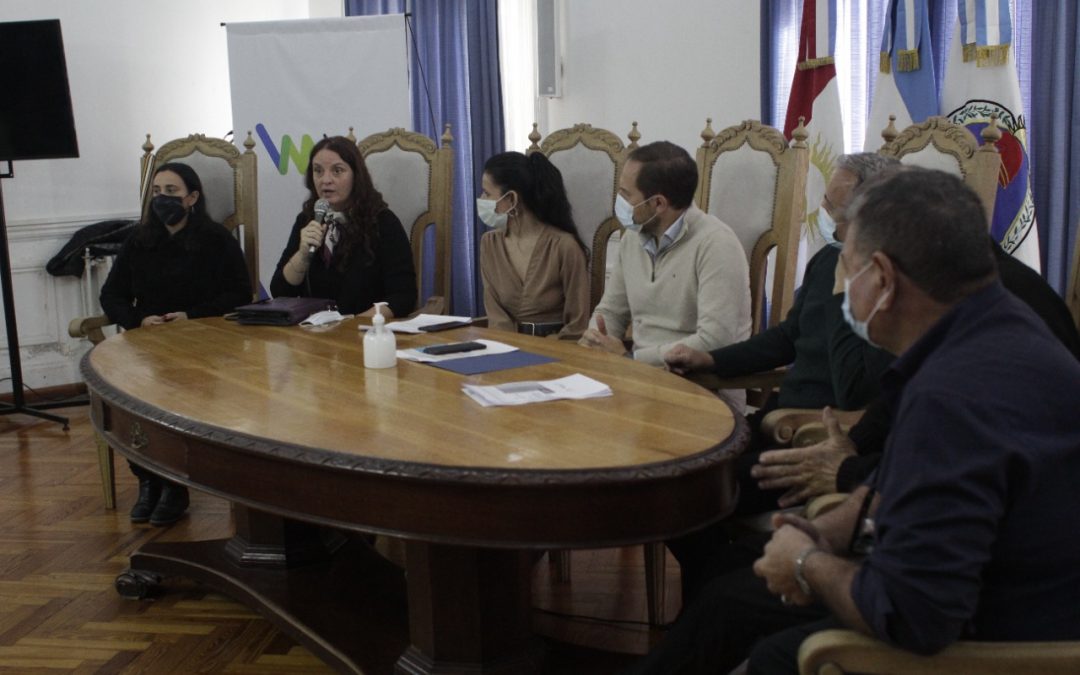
point(906, 85)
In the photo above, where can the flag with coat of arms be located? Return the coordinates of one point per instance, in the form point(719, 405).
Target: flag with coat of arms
point(815, 97)
point(906, 85)
point(981, 80)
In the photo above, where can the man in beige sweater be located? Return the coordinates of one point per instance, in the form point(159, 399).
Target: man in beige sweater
point(682, 276)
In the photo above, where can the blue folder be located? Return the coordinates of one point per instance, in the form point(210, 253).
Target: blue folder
point(474, 365)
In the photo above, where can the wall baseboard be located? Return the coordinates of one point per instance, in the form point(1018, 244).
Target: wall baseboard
point(60, 392)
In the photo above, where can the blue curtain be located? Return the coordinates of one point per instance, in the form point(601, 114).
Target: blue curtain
point(374, 7)
point(1055, 124)
point(779, 20)
point(768, 57)
point(455, 79)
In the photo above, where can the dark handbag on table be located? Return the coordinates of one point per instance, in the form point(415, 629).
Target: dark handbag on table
point(280, 311)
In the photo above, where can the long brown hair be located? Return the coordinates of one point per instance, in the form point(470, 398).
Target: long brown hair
point(360, 230)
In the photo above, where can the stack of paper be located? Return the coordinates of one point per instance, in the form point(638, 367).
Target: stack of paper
point(575, 386)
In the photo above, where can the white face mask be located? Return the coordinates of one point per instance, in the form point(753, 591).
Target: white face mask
point(624, 212)
point(827, 226)
point(485, 208)
point(860, 328)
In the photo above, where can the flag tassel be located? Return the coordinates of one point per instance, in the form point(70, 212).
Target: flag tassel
point(810, 64)
point(907, 60)
point(986, 55)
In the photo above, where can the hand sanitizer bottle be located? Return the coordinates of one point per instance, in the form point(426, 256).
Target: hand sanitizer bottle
point(380, 347)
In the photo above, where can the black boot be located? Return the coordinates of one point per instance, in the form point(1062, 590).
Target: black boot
point(149, 494)
point(172, 505)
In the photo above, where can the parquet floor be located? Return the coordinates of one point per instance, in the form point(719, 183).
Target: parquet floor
point(60, 551)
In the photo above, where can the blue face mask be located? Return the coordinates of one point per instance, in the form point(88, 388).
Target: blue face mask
point(860, 328)
point(827, 226)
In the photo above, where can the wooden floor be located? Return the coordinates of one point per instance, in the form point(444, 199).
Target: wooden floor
point(60, 551)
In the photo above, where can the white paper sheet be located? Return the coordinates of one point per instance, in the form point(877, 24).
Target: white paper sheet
point(575, 386)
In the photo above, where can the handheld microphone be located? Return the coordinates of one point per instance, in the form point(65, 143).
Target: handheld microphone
point(322, 207)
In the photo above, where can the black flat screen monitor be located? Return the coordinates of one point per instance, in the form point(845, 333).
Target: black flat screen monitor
point(36, 121)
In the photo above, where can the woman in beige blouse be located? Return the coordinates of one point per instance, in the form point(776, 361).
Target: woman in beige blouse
point(532, 262)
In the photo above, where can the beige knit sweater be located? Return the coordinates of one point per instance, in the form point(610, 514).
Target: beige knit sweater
point(697, 293)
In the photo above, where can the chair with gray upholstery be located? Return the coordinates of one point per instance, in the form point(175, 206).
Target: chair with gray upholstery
point(416, 178)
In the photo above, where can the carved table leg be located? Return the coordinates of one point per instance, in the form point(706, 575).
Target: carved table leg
point(469, 611)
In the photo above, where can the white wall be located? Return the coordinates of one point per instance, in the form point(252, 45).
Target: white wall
point(135, 66)
point(667, 65)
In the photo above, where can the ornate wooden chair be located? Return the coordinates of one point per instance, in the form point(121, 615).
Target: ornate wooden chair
point(229, 180)
point(799, 427)
point(399, 162)
point(938, 143)
point(833, 652)
point(751, 178)
point(590, 160)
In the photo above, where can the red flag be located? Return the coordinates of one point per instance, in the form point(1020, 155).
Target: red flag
point(815, 97)
point(812, 72)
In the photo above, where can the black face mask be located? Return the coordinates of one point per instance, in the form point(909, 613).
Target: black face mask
point(169, 209)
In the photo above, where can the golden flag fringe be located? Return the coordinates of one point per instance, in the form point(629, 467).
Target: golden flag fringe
point(986, 55)
point(815, 63)
point(907, 60)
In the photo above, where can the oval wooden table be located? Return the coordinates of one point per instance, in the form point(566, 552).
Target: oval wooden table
point(307, 444)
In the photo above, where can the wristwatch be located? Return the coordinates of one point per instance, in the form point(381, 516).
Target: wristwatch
point(800, 562)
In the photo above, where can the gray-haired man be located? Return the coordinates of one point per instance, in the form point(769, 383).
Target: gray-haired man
point(829, 366)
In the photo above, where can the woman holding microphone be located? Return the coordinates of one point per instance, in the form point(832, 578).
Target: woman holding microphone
point(356, 252)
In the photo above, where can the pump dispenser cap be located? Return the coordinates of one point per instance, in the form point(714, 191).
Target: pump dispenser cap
point(378, 319)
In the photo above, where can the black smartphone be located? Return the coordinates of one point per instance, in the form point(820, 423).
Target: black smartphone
point(453, 348)
point(446, 325)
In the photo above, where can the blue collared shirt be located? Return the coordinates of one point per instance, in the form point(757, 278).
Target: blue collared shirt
point(668, 238)
point(976, 532)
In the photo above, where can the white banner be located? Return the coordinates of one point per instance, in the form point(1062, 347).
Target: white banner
point(293, 82)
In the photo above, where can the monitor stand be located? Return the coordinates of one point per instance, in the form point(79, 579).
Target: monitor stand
point(18, 404)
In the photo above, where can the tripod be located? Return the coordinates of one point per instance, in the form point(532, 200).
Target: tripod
point(18, 398)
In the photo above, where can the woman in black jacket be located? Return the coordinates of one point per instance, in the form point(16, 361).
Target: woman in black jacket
point(358, 254)
point(177, 265)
